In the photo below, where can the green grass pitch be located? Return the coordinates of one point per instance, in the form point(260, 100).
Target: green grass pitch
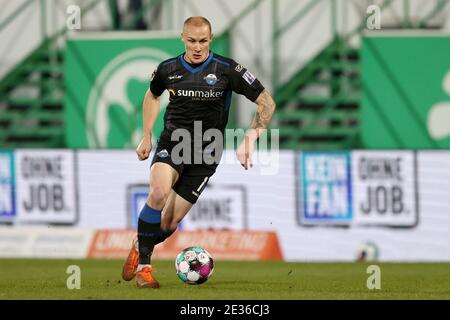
point(100, 279)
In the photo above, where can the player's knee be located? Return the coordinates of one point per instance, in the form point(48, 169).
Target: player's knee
point(157, 197)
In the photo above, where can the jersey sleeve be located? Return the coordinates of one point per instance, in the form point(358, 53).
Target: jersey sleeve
point(242, 81)
point(157, 84)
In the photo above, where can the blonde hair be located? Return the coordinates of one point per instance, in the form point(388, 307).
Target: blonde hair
point(197, 21)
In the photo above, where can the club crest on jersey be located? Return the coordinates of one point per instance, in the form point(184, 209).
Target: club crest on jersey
point(163, 153)
point(211, 79)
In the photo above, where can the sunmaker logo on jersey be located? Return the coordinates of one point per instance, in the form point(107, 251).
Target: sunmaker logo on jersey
point(205, 94)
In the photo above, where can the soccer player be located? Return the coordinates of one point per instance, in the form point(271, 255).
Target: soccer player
point(200, 84)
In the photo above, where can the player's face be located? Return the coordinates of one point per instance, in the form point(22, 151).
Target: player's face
point(197, 40)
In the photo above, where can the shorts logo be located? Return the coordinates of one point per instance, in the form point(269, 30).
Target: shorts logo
point(163, 153)
point(211, 79)
point(249, 77)
point(239, 68)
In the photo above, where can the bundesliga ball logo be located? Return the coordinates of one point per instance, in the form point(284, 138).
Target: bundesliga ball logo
point(194, 265)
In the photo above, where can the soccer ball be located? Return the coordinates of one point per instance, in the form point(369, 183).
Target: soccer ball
point(194, 265)
point(368, 251)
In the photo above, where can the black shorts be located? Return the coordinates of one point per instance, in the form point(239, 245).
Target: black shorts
point(192, 178)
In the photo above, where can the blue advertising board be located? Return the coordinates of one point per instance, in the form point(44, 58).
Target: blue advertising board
point(7, 187)
point(325, 188)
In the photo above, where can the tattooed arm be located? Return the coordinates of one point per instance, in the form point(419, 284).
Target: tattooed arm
point(264, 111)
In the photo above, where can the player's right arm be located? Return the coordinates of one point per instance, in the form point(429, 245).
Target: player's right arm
point(150, 110)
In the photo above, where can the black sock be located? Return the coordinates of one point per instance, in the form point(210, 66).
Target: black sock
point(149, 224)
point(147, 236)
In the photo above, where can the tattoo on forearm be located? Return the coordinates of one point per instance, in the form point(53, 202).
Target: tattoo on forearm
point(264, 111)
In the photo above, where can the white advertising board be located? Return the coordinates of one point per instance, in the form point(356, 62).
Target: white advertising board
point(105, 178)
point(407, 218)
point(385, 188)
point(219, 207)
point(46, 187)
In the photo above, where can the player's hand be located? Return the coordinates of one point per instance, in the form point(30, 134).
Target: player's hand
point(144, 148)
point(245, 151)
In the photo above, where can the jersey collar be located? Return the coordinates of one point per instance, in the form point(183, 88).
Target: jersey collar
point(200, 67)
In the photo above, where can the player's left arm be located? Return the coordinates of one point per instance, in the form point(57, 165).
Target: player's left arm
point(265, 107)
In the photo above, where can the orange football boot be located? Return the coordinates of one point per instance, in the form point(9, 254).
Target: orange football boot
point(144, 278)
point(130, 265)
